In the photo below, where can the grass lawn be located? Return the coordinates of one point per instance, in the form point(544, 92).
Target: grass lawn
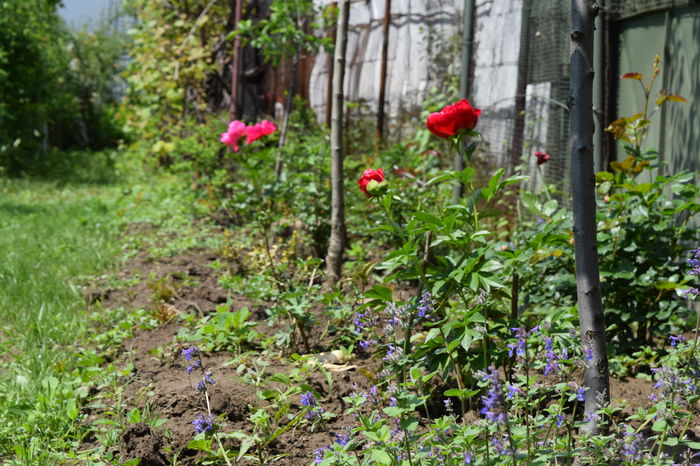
point(51, 238)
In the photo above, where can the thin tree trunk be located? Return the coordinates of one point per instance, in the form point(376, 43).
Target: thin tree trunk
point(336, 244)
point(236, 64)
point(329, 82)
point(590, 307)
point(464, 87)
point(382, 75)
point(287, 111)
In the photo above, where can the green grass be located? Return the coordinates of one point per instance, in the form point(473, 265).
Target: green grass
point(51, 238)
point(58, 231)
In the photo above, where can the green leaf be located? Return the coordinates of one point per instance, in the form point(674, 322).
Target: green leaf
point(200, 443)
point(393, 411)
point(659, 426)
point(381, 457)
point(409, 424)
point(428, 218)
point(671, 442)
point(462, 394)
point(134, 416)
point(383, 434)
point(381, 293)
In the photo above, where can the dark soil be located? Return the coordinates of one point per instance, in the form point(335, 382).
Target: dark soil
point(160, 384)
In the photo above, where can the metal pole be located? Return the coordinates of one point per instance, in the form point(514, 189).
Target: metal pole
point(236, 64)
point(382, 76)
point(464, 87)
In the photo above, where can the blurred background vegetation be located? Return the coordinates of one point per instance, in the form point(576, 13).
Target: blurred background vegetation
point(58, 87)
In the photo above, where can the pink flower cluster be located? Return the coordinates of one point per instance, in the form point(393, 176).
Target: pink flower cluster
point(238, 129)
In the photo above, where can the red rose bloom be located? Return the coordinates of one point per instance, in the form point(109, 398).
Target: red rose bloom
point(542, 157)
point(453, 118)
point(369, 175)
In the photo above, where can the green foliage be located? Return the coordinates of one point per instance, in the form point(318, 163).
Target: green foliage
point(176, 65)
point(51, 239)
point(643, 235)
point(226, 330)
point(285, 33)
point(643, 239)
point(57, 87)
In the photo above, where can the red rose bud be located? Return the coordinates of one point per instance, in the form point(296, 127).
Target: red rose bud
point(542, 157)
point(452, 119)
point(370, 175)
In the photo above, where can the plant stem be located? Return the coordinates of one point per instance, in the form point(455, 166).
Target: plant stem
point(216, 434)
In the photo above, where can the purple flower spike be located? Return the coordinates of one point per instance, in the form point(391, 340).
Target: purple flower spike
point(494, 405)
point(203, 424)
point(195, 364)
point(426, 304)
point(189, 353)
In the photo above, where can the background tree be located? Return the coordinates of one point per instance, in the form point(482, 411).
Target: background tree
point(288, 33)
point(590, 306)
point(57, 86)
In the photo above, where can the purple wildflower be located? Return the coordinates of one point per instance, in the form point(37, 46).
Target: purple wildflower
point(313, 410)
point(393, 354)
point(518, 348)
point(426, 304)
point(500, 445)
point(694, 262)
point(512, 390)
point(195, 364)
point(448, 405)
point(374, 396)
point(560, 418)
point(493, 408)
point(190, 353)
point(367, 344)
point(320, 454)
point(633, 446)
point(398, 317)
point(202, 384)
point(308, 400)
point(468, 458)
point(364, 320)
point(203, 424)
point(341, 439)
point(580, 393)
point(675, 339)
point(548, 344)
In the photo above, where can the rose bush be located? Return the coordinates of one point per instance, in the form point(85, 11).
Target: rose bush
point(237, 129)
point(452, 119)
point(255, 132)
